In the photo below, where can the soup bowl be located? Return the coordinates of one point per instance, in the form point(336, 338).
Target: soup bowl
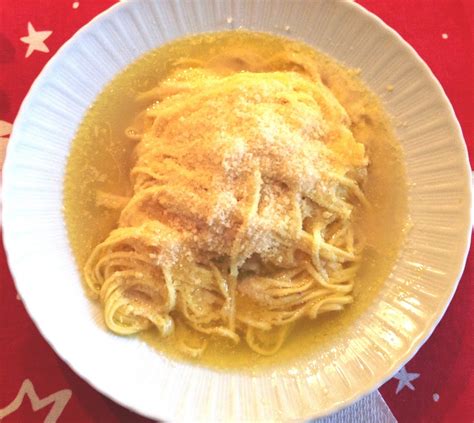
point(371, 349)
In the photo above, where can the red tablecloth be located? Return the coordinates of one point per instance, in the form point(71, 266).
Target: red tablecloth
point(436, 386)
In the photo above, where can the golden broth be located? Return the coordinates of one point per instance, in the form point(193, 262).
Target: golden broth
point(100, 159)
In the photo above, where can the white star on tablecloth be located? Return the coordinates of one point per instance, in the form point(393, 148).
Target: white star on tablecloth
point(58, 400)
point(405, 379)
point(35, 40)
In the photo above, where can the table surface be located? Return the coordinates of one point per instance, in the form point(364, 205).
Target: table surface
point(437, 385)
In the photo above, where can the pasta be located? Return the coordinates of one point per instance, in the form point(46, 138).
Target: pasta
point(245, 177)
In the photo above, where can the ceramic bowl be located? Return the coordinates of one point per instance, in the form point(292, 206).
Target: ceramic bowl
point(404, 313)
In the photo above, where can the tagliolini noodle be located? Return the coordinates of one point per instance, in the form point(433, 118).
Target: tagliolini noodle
point(245, 177)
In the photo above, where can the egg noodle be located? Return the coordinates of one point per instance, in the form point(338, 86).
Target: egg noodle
point(240, 223)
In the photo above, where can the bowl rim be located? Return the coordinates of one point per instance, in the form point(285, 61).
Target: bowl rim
point(415, 343)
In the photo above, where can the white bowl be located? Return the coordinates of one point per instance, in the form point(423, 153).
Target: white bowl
point(390, 332)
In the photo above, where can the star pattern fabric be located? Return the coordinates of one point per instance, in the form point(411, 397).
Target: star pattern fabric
point(405, 379)
point(58, 400)
point(35, 40)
